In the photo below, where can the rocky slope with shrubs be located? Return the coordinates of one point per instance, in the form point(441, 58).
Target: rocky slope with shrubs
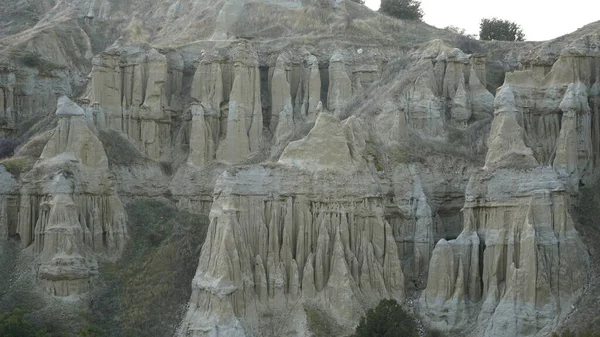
point(233, 168)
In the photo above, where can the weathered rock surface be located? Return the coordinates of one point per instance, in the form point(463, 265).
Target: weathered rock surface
point(127, 93)
point(330, 156)
point(67, 207)
point(519, 265)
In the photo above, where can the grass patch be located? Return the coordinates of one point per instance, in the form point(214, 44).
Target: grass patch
point(148, 288)
point(120, 151)
point(16, 165)
point(321, 324)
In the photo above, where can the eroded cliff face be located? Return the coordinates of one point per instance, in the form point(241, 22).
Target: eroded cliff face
point(519, 264)
point(303, 230)
point(66, 208)
point(336, 172)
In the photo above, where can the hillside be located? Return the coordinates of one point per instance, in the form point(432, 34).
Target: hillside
point(276, 168)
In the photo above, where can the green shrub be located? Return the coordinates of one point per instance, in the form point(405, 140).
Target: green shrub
point(386, 320)
point(402, 9)
point(501, 30)
point(14, 324)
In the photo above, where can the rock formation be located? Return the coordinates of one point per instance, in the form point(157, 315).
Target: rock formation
point(127, 90)
point(68, 209)
point(340, 163)
point(269, 250)
point(519, 264)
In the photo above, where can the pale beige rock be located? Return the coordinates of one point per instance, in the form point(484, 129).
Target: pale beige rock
point(340, 86)
point(461, 107)
point(505, 143)
point(70, 212)
point(573, 148)
point(202, 137)
point(482, 101)
point(282, 118)
point(424, 110)
point(132, 97)
point(66, 267)
point(312, 89)
point(324, 148)
point(244, 122)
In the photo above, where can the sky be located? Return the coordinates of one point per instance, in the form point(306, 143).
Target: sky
point(540, 20)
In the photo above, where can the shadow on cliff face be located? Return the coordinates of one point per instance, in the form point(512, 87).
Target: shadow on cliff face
point(585, 314)
point(146, 291)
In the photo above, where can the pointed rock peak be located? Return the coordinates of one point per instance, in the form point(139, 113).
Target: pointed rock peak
point(442, 243)
point(66, 108)
point(325, 147)
point(473, 78)
point(575, 98)
point(505, 100)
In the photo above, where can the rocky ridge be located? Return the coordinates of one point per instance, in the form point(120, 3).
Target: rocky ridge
point(304, 156)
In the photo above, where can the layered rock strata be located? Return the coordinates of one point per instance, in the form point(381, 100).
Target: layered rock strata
point(519, 264)
point(275, 243)
point(127, 93)
point(68, 209)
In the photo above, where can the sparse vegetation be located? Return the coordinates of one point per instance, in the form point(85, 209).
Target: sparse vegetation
point(402, 9)
point(119, 150)
point(147, 289)
point(35, 60)
point(501, 30)
point(15, 324)
point(468, 43)
point(15, 165)
point(570, 333)
point(386, 320)
point(321, 324)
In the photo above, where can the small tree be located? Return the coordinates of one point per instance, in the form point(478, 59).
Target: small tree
point(386, 320)
point(402, 9)
point(502, 30)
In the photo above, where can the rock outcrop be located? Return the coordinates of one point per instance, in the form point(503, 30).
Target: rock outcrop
point(274, 243)
point(68, 209)
point(127, 93)
point(519, 264)
point(244, 115)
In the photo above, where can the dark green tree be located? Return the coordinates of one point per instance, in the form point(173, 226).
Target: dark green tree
point(498, 29)
point(388, 319)
point(402, 9)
